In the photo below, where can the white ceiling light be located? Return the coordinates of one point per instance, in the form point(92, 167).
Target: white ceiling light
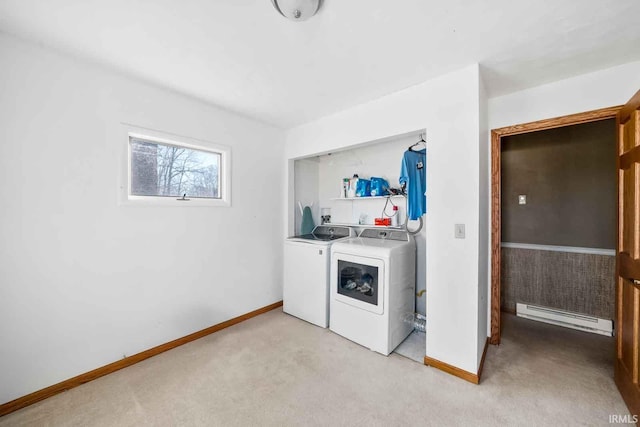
point(297, 10)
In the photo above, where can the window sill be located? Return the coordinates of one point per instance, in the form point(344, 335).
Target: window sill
point(174, 202)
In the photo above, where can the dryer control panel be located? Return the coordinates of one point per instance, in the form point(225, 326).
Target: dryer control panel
point(385, 234)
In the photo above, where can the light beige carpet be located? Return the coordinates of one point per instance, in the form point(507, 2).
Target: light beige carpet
point(277, 370)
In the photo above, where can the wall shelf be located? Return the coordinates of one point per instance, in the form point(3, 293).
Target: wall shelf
point(367, 198)
point(347, 224)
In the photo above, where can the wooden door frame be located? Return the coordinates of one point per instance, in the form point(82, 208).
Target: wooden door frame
point(496, 170)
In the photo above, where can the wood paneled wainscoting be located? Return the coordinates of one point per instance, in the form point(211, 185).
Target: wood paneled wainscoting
point(577, 280)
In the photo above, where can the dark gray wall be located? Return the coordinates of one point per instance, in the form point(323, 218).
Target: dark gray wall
point(569, 177)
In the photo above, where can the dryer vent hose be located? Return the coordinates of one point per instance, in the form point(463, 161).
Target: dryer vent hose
point(406, 219)
point(417, 320)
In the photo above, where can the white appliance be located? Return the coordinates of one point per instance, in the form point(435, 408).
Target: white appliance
point(373, 288)
point(306, 273)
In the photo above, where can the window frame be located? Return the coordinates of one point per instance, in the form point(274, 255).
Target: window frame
point(126, 198)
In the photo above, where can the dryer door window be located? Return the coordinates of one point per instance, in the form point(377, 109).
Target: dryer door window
point(358, 281)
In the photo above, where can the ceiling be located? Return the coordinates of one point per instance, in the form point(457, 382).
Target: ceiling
point(243, 56)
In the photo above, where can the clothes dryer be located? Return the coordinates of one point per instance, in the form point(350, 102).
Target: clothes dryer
point(373, 288)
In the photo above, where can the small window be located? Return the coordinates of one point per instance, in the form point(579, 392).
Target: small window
point(171, 172)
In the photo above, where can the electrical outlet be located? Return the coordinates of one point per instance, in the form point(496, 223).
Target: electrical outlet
point(522, 199)
point(459, 231)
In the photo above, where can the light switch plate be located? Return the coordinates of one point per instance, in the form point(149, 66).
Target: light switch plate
point(459, 231)
point(522, 199)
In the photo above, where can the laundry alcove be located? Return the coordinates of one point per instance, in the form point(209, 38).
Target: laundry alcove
point(317, 181)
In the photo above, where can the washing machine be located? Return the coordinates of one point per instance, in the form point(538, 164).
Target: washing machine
point(373, 288)
point(305, 292)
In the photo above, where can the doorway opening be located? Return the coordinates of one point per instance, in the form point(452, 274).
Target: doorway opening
point(500, 137)
point(627, 274)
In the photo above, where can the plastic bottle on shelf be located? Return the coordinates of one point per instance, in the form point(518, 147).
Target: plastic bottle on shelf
point(394, 217)
point(353, 182)
point(345, 187)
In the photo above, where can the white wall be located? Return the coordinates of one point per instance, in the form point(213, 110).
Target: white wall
point(85, 281)
point(484, 226)
point(605, 88)
point(381, 159)
point(306, 187)
point(447, 107)
point(601, 89)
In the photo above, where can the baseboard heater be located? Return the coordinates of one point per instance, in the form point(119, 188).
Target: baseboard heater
point(566, 319)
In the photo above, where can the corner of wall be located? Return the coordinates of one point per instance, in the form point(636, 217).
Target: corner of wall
point(484, 219)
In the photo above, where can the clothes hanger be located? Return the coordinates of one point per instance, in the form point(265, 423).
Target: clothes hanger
point(422, 141)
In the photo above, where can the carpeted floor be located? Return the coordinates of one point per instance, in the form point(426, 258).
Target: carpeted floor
point(276, 370)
